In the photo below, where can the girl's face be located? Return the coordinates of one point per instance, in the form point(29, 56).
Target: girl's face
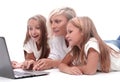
point(74, 35)
point(34, 30)
point(58, 25)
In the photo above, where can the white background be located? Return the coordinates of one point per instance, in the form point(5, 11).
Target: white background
point(15, 13)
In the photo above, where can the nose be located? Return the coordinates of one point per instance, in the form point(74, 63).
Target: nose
point(34, 31)
point(53, 25)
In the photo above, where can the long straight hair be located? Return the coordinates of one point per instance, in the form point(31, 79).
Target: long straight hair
point(87, 27)
point(44, 40)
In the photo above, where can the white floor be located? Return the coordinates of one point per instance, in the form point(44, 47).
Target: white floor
point(56, 76)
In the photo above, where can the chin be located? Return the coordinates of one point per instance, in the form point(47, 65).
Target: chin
point(71, 44)
point(35, 40)
point(57, 34)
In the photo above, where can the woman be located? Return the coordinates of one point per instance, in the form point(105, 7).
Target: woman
point(58, 44)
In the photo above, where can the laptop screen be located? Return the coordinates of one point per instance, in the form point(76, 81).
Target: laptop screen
point(5, 63)
point(6, 69)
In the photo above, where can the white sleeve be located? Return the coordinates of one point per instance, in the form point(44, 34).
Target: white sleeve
point(27, 47)
point(91, 44)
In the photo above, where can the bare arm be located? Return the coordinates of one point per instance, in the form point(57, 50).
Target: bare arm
point(65, 62)
point(29, 56)
point(46, 63)
point(67, 68)
point(92, 62)
point(89, 68)
point(29, 61)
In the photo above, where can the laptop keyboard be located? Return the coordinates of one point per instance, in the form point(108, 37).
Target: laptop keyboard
point(18, 73)
point(29, 73)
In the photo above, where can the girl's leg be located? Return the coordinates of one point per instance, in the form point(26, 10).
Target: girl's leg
point(115, 42)
point(118, 38)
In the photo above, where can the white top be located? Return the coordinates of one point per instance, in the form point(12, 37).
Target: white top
point(58, 48)
point(92, 43)
point(31, 47)
point(115, 61)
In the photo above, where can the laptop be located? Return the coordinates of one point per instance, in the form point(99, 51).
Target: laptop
point(6, 69)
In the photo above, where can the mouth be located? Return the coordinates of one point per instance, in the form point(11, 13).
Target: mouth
point(35, 36)
point(69, 40)
point(55, 31)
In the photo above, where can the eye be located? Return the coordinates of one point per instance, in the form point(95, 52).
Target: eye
point(30, 28)
point(37, 27)
point(50, 21)
point(70, 31)
point(57, 21)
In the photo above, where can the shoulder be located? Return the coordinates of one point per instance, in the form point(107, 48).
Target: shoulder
point(30, 43)
point(92, 43)
point(91, 40)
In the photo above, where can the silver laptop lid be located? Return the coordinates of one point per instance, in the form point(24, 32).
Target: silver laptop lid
point(5, 63)
point(6, 69)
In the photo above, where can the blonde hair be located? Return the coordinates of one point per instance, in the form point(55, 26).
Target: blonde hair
point(87, 27)
point(66, 11)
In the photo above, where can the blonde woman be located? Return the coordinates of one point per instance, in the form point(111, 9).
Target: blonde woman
point(58, 44)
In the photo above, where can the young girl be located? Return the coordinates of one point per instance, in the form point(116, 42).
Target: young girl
point(59, 46)
point(89, 52)
point(35, 44)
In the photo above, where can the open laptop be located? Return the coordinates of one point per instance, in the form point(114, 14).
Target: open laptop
point(6, 69)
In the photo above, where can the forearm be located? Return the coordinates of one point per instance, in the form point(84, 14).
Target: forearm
point(30, 57)
point(63, 68)
point(87, 70)
point(55, 63)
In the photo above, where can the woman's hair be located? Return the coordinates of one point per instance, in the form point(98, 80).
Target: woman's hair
point(43, 29)
point(87, 27)
point(68, 12)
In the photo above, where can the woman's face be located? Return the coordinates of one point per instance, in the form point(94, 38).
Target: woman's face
point(34, 30)
point(74, 35)
point(58, 25)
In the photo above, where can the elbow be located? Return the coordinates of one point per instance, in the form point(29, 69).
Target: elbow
point(90, 72)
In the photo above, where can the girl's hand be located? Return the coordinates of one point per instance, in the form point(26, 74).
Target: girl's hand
point(74, 71)
point(28, 64)
point(16, 65)
point(43, 64)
